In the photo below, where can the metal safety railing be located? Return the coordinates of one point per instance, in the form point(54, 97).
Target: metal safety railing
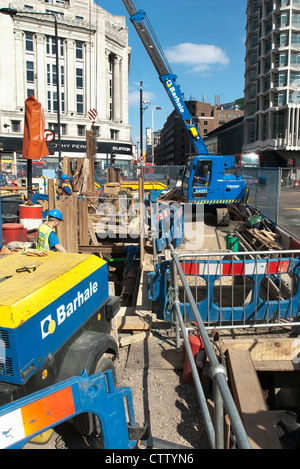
point(222, 395)
point(242, 289)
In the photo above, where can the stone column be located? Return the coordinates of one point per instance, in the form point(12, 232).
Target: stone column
point(70, 76)
point(116, 90)
point(20, 69)
point(40, 70)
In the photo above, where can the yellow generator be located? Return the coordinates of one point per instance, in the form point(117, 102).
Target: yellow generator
point(55, 320)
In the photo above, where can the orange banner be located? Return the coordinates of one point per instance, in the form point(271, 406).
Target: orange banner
point(34, 144)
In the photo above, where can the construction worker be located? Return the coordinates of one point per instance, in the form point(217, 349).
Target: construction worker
point(67, 184)
point(47, 239)
point(203, 176)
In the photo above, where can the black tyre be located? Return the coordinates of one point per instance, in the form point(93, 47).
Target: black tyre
point(86, 424)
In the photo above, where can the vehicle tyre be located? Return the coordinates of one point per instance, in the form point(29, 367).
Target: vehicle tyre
point(87, 423)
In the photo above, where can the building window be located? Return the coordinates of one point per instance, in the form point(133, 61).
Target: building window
point(252, 133)
point(62, 76)
point(114, 134)
point(52, 74)
point(15, 126)
point(295, 39)
point(96, 130)
point(282, 20)
point(79, 50)
point(79, 103)
point(29, 72)
point(282, 40)
point(265, 126)
point(81, 130)
point(79, 78)
point(295, 59)
point(296, 19)
point(29, 42)
point(280, 99)
point(269, 26)
point(295, 78)
point(54, 128)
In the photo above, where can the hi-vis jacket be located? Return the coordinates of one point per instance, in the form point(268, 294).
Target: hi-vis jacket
point(43, 237)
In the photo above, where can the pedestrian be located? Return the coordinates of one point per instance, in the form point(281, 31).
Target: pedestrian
point(67, 184)
point(47, 238)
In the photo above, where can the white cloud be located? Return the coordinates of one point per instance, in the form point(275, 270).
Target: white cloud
point(199, 57)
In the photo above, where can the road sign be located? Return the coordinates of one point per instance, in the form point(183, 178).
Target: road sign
point(291, 162)
point(48, 135)
point(92, 114)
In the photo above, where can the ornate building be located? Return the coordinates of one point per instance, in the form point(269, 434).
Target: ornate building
point(93, 57)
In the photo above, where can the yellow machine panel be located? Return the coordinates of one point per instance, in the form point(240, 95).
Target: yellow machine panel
point(24, 292)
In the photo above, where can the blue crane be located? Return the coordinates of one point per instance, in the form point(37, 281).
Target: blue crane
point(205, 180)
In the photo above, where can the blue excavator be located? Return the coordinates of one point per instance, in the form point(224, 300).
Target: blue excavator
point(205, 180)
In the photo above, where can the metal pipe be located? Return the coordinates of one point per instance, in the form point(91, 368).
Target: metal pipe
point(217, 371)
point(198, 387)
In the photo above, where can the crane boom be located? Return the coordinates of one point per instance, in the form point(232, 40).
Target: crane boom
point(168, 79)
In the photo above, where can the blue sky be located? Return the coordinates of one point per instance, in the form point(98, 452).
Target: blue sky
point(204, 41)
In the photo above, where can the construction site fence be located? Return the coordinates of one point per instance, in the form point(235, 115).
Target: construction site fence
point(167, 175)
point(266, 187)
point(237, 289)
point(222, 396)
point(167, 224)
point(25, 418)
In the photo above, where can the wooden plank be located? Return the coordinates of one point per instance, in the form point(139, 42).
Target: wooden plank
point(92, 234)
point(52, 194)
point(250, 401)
point(90, 153)
point(83, 235)
point(134, 323)
point(276, 365)
point(264, 349)
point(85, 175)
point(67, 231)
point(133, 339)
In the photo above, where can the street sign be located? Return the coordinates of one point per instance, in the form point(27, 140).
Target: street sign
point(92, 114)
point(291, 162)
point(49, 135)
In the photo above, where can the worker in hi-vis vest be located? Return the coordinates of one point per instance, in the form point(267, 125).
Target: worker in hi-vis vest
point(66, 184)
point(47, 238)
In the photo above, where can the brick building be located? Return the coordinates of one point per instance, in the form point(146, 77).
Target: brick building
point(175, 144)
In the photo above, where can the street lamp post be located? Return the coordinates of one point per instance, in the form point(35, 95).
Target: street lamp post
point(13, 12)
point(157, 108)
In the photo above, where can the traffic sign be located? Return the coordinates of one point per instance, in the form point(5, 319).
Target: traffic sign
point(291, 162)
point(92, 114)
point(49, 135)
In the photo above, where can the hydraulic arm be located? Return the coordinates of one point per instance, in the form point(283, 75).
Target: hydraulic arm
point(147, 35)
